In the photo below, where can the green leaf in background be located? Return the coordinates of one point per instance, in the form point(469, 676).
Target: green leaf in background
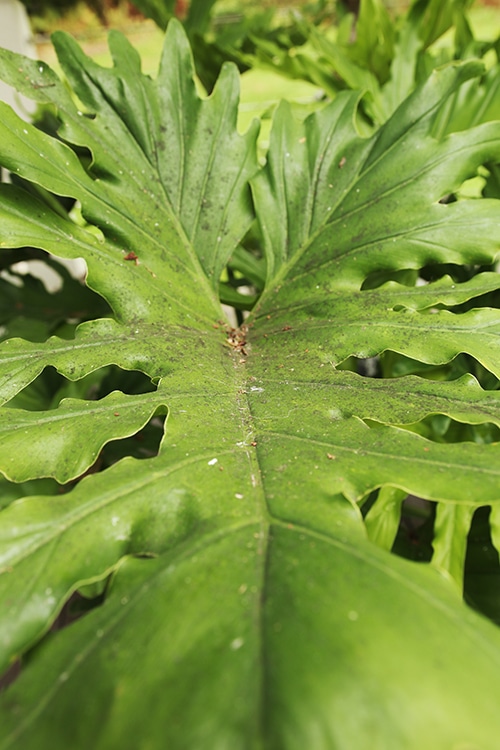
point(242, 601)
point(383, 55)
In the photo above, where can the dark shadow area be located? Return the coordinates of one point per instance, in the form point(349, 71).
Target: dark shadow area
point(40, 296)
point(482, 568)
point(416, 530)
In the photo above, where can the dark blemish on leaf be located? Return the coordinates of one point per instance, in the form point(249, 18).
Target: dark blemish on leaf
point(132, 256)
point(116, 413)
point(253, 443)
point(286, 328)
point(236, 339)
point(342, 162)
point(331, 456)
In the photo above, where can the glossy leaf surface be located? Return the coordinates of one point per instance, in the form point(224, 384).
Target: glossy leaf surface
point(245, 606)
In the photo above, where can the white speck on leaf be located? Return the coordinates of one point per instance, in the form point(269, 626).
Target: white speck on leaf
point(237, 643)
point(213, 461)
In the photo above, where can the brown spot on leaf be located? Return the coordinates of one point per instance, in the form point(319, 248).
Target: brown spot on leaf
point(132, 256)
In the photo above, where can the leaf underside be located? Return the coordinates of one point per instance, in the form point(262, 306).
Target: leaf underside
point(245, 606)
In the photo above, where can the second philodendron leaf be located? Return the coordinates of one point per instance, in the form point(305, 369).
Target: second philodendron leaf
point(245, 606)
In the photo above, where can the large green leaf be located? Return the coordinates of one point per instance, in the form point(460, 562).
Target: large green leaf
point(243, 604)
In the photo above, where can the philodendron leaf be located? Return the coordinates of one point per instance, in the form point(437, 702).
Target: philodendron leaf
point(58, 433)
point(267, 618)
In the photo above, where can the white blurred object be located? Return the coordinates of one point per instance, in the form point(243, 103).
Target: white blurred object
point(15, 35)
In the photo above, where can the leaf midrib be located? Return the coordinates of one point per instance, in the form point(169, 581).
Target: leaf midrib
point(421, 591)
